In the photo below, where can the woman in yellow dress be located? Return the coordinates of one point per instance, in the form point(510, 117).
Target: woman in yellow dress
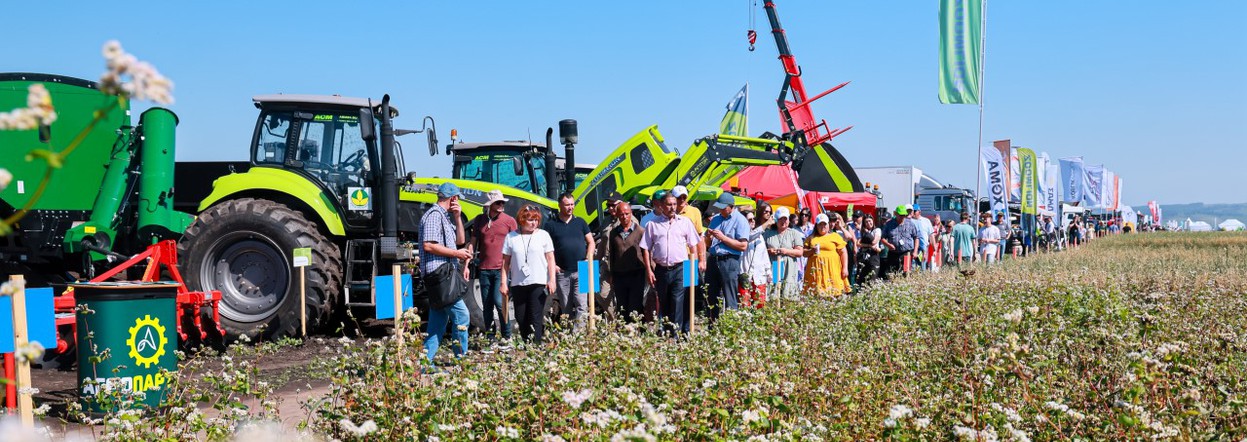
point(826, 269)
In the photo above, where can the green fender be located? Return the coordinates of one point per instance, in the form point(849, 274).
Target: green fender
point(278, 181)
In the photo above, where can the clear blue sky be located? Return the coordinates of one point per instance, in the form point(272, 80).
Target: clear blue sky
point(1155, 91)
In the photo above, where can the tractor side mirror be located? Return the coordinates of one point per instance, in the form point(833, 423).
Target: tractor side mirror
point(367, 128)
point(517, 163)
point(432, 139)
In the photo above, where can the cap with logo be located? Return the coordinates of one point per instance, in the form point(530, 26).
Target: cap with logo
point(725, 200)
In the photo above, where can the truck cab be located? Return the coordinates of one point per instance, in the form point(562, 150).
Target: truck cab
point(516, 164)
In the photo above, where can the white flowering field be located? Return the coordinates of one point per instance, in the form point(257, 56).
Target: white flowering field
point(1141, 337)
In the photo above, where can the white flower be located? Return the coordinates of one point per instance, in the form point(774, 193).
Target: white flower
point(38, 112)
point(899, 412)
point(146, 83)
point(552, 438)
point(363, 429)
point(889, 422)
point(507, 432)
point(29, 351)
point(922, 422)
point(1034, 310)
point(1014, 316)
point(6, 177)
point(751, 416)
point(574, 399)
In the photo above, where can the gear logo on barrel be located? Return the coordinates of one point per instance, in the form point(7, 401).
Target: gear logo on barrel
point(147, 337)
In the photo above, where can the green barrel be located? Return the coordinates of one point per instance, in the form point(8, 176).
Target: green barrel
point(127, 337)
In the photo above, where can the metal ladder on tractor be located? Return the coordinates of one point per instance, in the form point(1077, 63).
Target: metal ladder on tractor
point(358, 274)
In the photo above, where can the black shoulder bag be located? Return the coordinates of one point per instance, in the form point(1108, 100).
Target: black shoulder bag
point(445, 284)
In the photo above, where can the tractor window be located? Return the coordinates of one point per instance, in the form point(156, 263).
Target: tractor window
point(538, 166)
point(498, 168)
point(641, 157)
point(331, 148)
point(274, 130)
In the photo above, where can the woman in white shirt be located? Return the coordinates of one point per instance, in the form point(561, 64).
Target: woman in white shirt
point(755, 265)
point(528, 273)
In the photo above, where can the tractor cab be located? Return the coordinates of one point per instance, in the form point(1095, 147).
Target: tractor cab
point(516, 164)
point(321, 138)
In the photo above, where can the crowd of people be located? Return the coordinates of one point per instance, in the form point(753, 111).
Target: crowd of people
point(747, 257)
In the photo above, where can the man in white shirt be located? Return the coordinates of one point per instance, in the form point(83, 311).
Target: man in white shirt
point(989, 241)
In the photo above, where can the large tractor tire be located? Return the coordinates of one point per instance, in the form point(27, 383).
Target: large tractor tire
point(243, 248)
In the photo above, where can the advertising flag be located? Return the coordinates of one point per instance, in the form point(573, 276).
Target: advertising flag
point(1041, 181)
point(1052, 185)
point(1026, 162)
point(997, 183)
point(1092, 194)
point(961, 60)
point(1006, 154)
point(736, 120)
point(1117, 193)
point(1073, 179)
point(1108, 186)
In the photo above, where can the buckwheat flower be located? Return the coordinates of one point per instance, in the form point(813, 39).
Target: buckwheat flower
point(1014, 316)
point(361, 430)
point(922, 422)
point(507, 432)
point(574, 399)
point(1034, 310)
point(751, 416)
point(462, 328)
point(29, 351)
point(6, 177)
point(552, 438)
point(889, 423)
point(899, 412)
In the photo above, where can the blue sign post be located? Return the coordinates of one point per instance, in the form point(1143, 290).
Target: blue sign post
point(40, 320)
point(385, 301)
point(590, 281)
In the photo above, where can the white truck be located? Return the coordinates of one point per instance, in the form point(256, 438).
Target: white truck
point(908, 185)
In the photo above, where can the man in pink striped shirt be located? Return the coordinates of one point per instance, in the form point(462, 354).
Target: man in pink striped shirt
point(665, 246)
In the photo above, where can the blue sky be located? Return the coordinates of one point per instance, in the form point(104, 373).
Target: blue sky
point(1155, 92)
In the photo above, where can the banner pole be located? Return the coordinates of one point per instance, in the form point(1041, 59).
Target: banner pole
point(592, 308)
point(303, 301)
point(978, 168)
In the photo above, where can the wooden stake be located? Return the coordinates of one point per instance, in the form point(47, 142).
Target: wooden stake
point(692, 299)
point(21, 337)
point(398, 303)
point(592, 310)
point(303, 300)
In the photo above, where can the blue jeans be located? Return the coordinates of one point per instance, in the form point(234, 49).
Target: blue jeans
point(491, 302)
point(458, 314)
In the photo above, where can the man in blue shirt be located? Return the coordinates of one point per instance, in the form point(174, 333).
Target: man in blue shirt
point(729, 237)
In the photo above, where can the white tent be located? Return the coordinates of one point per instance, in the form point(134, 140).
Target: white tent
point(1198, 226)
point(1231, 225)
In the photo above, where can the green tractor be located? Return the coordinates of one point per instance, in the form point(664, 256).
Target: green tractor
point(313, 182)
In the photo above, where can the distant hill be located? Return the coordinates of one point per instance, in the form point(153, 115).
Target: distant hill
point(1212, 213)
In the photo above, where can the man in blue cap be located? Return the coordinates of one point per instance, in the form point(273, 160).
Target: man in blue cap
point(729, 237)
point(441, 234)
point(925, 230)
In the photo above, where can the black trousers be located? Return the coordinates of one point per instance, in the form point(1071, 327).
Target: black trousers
point(530, 305)
point(672, 303)
point(894, 263)
point(629, 291)
point(724, 281)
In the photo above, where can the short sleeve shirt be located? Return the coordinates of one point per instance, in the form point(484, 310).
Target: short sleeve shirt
point(490, 234)
point(901, 234)
point(694, 214)
point(735, 226)
point(963, 240)
point(528, 257)
point(668, 239)
point(435, 227)
point(569, 241)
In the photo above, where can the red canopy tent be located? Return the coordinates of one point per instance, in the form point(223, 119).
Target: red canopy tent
point(778, 185)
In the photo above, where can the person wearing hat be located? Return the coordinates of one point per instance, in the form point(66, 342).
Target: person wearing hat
point(665, 245)
point(729, 237)
point(441, 234)
point(900, 236)
point(827, 260)
point(488, 232)
point(784, 245)
point(683, 208)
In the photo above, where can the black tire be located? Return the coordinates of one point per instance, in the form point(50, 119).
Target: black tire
point(243, 248)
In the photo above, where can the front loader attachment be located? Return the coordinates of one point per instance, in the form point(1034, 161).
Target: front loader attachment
point(821, 168)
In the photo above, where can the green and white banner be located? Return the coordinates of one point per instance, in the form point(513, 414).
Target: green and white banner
point(1026, 160)
point(961, 57)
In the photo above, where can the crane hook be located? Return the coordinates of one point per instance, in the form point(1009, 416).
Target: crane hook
point(753, 38)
